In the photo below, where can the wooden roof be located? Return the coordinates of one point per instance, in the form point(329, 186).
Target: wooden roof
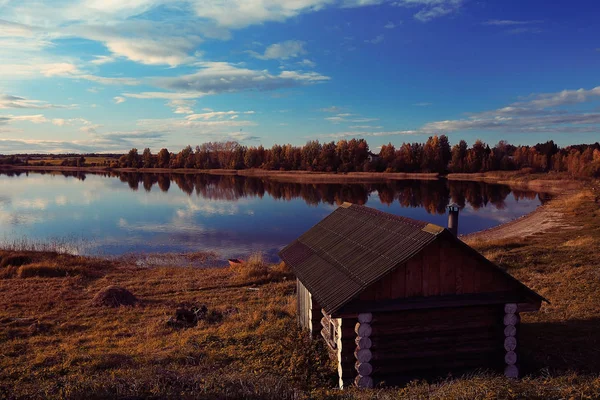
point(355, 246)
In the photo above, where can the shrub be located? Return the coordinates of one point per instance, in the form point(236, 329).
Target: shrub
point(255, 269)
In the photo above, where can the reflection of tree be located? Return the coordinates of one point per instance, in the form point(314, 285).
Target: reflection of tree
point(132, 179)
point(523, 194)
point(149, 180)
point(432, 195)
point(164, 182)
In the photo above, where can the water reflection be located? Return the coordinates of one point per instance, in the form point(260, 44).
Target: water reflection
point(431, 195)
point(234, 215)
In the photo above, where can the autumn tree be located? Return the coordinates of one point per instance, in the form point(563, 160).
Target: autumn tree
point(164, 158)
point(147, 161)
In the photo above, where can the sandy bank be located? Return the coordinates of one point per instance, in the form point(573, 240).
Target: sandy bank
point(545, 218)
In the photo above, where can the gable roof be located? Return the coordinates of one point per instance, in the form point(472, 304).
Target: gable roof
point(354, 247)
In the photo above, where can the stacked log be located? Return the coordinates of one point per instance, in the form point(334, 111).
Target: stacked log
point(511, 319)
point(421, 343)
point(363, 352)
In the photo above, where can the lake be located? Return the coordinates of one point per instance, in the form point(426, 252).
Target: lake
point(116, 214)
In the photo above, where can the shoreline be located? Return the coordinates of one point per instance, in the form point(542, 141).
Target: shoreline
point(550, 182)
point(544, 218)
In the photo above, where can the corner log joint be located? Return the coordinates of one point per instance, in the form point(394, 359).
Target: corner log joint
point(363, 353)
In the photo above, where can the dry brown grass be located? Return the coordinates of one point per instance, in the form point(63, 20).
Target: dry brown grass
point(257, 270)
point(90, 352)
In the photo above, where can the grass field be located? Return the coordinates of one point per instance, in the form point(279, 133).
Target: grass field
point(54, 343)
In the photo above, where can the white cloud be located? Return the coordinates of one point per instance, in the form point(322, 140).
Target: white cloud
point(376, 40)
point(180, 106)
point(222, 77)
point(58, 69)
point(422, 104)
point(307, 63)
point(90, 129)
point(562, 98)
point(361, 134)
point(36, 119)
point(539, 113)
point(431, 9)
point(241, 13)
point(119, 99)
point(13, 29)
point(173, 52)
point(110, 81)
point(343, 118)
point(163, 95)
point(390, 25)
point(9, 101)
point(282, 51)
point(308, 77)
point(216, 114)
point(506, 22)
point(100, 60)
point(332, 109)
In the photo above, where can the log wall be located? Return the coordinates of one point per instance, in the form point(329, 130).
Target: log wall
point(427, 343)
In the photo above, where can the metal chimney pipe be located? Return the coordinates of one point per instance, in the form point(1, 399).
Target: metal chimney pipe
point(453, 218)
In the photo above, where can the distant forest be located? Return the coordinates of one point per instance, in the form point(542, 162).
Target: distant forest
point(434, 156)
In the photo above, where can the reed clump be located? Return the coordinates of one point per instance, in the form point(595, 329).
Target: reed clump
point(257, 269)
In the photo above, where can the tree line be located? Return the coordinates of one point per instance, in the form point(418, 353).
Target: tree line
point(436, 155)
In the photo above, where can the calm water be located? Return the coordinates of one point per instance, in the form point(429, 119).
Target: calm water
point(160, 213)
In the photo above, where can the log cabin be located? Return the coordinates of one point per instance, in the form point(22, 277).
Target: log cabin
point(397, 299)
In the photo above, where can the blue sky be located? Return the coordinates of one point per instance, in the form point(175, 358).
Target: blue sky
point(109, 75)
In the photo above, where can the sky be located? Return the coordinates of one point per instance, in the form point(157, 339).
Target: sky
point(109, 75)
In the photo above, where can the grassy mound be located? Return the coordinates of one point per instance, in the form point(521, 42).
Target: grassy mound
point(114, 296)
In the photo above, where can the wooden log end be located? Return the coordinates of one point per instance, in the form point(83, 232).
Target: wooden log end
point(364, 382)
point(510, 330)
point(510, 343)
point(363, 329)
point(363, 355)
point(364, 369)
point(511, 371)
point(511, 319)
point(365, 318)
point(363, 342)
point(510, 358)
point(511, 308)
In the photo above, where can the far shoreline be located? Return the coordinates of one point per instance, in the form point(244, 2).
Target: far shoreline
point(550, 182)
